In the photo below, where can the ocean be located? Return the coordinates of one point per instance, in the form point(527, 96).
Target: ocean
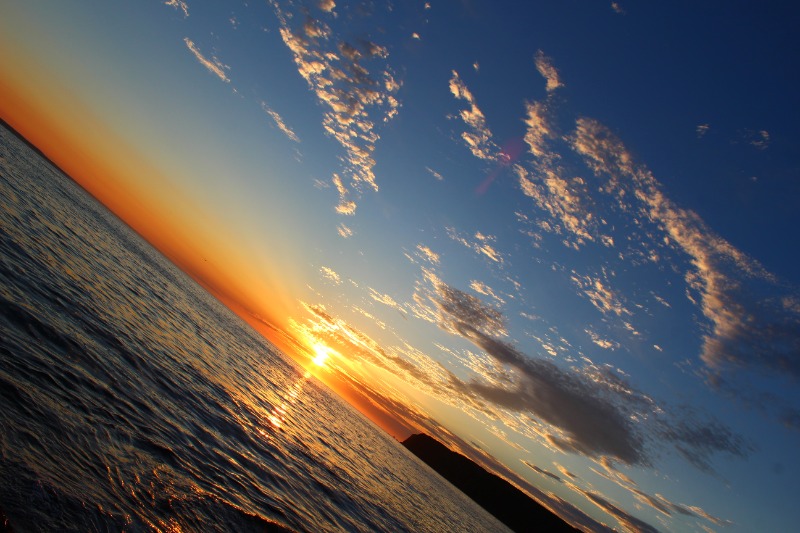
point(132, 400)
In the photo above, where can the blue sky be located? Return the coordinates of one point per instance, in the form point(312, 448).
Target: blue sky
point(560, 235)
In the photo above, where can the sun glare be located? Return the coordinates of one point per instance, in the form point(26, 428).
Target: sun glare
point(321, 356)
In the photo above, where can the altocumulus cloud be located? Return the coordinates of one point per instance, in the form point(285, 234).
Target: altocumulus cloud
point(353, 82)
point(590, 411)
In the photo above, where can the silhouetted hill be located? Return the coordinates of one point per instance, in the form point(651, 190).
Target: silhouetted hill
point(499, 497)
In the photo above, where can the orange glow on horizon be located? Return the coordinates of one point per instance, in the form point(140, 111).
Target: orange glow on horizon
point(112, 171)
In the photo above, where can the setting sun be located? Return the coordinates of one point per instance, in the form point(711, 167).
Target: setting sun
point(322, 352)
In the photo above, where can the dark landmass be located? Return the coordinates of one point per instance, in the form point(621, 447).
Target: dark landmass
point(499, 497)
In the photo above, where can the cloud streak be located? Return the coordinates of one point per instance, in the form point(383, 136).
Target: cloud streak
point(213, 65)
point(280, 123)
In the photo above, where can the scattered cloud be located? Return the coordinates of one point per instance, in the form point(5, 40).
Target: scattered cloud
point(331, 275)
point(354, 85)
point(626, 520)
point(545, 67)
point(180, 5)
point(602, 297)
point(346, 206)
point(760, 139)
point(482, 288)
point(434, 174)
point(478, 139)
point(542, 471)
point(592, 411)
point(702, 129)
point(428, 254)
point(344, 231)
point(214, 65)
point(482, 244)
point(280, 122)
point(617, 8)
point(743, 303)
point(327, 5)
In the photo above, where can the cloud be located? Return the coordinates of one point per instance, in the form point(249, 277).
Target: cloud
point(542, 471)
point(214, 65)
point(750, 324)
point(331, 275)
point(702, 129)
point(545, 67)
point(478, 139)
point(180, 5)
point(626, 520)
point(602, 297)
point(657, 501)
point(482, 244)
point(760, 139)
point(280, 122)
point(327, 5)
point(617, 8)
point(354, 85)
point(428, 254)
point(482, 288)
point(539, 129)
point(344, 231)
point(434, 173)
point(590, 411)
point(346, 206)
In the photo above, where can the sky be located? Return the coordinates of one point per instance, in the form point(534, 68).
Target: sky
point(559, 236)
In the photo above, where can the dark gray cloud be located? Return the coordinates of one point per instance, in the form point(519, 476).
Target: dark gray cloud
point(627, 520)
point(594, 411)
point(542, 471)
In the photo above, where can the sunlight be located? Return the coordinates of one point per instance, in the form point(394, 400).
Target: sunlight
point(322, 352)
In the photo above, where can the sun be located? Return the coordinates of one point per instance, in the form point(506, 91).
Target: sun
point(322, 352)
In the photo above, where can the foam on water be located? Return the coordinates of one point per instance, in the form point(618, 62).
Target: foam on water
point(132, 400)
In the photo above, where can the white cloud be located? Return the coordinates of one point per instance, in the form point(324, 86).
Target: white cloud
point(545, 67)
point(739, 298)
point(280, 122)
point(180, 5)
point(214, 65)
point(482, 244)
point(354, 85)
point(478, 138)
point(331, 275)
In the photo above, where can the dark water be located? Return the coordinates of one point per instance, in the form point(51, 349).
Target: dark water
point(130, 400)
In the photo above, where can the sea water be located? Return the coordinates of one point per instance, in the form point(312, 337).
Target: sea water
point(131, 400)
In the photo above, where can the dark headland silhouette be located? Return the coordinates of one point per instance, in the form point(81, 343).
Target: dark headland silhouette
point(499, 497)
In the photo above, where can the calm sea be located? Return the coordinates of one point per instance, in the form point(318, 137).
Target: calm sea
point(131, 400)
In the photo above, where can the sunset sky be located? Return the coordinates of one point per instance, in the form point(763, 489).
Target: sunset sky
point(560, 236)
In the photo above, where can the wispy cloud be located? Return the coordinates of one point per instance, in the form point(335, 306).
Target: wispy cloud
point(745, 305)
point(428, 254)
point(434, 174)
point(542, 471)
point(702, 129)
point(593, 412)
point(344, 231)
point(280, 122)
point(545, 67)
point(342, 76)
point(618, 9)
point(478, 138)
point(626, 520)
point(482, 245)
point(214, 65)
point(331, 275)
point(180, 5)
